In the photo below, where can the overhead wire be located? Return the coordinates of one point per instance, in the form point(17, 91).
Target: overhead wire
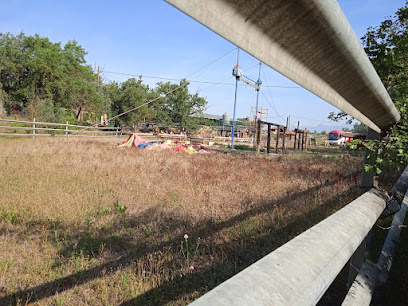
point(148, 102)
point(174, 89)
point(270, 94)
point(209, 64)
point(311, 119)
point(229, 77)
point(193, 81)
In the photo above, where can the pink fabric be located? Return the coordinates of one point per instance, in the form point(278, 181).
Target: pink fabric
point(163, 146)
point(138, 140)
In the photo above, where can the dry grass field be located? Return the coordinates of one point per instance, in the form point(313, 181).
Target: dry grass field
point(82, 222)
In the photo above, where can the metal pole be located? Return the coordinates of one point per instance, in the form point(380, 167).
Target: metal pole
point(235, 104)
point(257, 95)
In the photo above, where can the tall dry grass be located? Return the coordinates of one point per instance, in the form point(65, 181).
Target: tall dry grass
point(85, 223)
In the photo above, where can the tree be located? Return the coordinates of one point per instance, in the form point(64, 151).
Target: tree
point(128, 95)
point(243, 121)
point(178, 106)
point(387, 47)
point(47, 79)
point(358, 127)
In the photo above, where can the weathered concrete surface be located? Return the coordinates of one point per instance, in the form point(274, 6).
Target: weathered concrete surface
point(310, 42)
point(300, 271)
point(374, 275)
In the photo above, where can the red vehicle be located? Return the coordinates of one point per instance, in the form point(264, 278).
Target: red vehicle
point(339, 138)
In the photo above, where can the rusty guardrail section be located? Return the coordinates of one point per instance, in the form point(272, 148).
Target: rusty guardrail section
point(300, 271)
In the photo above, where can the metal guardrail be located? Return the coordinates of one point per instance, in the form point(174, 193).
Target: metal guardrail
point(310, 42)
point(300, 271)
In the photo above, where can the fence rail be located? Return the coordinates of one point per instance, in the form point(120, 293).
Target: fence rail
point(66, 129)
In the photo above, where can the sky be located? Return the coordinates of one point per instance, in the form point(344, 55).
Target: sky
point(154, 39)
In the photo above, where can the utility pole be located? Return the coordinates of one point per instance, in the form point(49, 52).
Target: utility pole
point(259, 82)
point(235, 100)
point(288, 123)
point(239, 76)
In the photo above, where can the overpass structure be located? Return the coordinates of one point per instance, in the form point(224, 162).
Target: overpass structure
point(311, 43)
point(308, 41)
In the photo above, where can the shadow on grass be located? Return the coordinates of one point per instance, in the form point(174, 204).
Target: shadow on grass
point(202, 281)
point(199, 281)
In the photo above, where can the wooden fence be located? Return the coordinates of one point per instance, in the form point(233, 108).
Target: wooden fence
point(41, 129)
point(300, 141)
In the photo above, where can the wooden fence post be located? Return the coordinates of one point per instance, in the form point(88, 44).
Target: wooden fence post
point(306, 140)
point(258, 136)
point(296, 133)
point(33, 127)
point(284, 140)
point(268, 140)
point(66, 129)
point(277, 137)
point(294, 141)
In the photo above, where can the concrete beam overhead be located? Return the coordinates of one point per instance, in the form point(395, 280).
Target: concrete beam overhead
point(308, 41)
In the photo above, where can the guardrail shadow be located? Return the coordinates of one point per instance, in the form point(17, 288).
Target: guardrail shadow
point(201, 280)
point(205, 280)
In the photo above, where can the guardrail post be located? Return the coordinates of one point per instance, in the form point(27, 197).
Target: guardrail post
point(66, 129)
point(33, 127)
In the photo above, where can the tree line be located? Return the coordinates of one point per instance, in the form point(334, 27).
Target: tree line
point(387, 48)
point(53, 82)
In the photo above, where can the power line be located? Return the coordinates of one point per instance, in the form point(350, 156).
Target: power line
point(311, 119)
point(228, 53)
point(148, 102)
point(192, 81)
point(273, 107)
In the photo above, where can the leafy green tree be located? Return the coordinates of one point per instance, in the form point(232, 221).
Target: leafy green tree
point(48, 79)
point(358, 127)
point(127, 96)
point(178, 106)
point(387, 47)
point(243, 121)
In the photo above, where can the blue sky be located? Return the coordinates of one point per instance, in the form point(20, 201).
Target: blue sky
point(152, 38)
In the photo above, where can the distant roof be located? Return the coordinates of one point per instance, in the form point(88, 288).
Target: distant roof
point(208, 116)
point(211, 116)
